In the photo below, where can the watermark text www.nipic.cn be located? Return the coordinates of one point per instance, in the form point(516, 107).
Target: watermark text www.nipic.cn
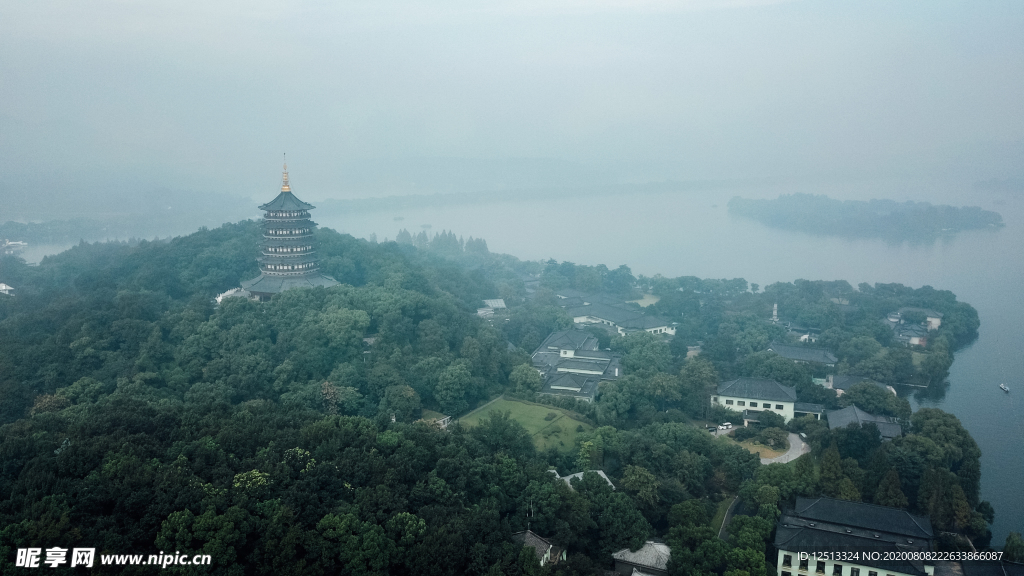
point(86, 557)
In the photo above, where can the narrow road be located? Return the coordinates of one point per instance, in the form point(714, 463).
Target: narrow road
point(722, 534)
point(796, 448)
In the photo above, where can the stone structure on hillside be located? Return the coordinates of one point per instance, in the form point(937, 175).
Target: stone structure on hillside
point(288, 253)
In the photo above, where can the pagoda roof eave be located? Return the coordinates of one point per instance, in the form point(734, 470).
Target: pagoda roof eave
point(286, 201)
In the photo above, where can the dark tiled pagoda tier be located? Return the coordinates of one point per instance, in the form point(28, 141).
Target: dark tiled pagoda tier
point(288, 253)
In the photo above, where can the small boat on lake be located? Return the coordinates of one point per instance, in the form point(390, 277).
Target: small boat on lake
point(1004, 388)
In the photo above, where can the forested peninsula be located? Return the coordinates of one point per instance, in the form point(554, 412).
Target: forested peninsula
point(886, 219)
point(301, 435)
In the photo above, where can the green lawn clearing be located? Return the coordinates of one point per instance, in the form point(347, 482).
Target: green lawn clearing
point(559, 432)
point(755, 447)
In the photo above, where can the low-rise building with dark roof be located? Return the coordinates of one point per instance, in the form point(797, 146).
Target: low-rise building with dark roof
point(932, 318)
point(652, 558)
point(913, 333)
point(887, 426)
point(575, 385)
point(572, 364)
point(857, 529)
point(843, 382)
point(757, 394)
point(908, 334)
point(803, 354)
point(547, 553)
point(598, 309)
point(801, 409)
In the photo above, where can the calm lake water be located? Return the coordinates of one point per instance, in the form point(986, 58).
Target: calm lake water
point(691, 233)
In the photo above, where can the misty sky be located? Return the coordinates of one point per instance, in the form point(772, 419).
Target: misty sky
point(379, 97)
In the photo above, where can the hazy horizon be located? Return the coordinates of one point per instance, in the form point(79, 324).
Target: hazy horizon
point(125, 100)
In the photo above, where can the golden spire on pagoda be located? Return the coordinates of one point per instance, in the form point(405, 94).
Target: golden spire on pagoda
point(284, 186)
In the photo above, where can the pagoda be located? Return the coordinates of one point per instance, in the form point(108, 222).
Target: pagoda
point(288, 254)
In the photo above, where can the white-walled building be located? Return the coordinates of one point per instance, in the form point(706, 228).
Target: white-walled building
point(829, 525)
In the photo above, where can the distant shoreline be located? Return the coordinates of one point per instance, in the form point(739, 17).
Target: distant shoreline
point(885, 219)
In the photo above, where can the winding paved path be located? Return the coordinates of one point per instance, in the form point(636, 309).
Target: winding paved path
point(796, 448)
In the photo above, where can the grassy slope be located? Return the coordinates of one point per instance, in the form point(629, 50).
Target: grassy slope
point(531, 416)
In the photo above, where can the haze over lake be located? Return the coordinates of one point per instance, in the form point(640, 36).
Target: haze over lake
point(692, 234)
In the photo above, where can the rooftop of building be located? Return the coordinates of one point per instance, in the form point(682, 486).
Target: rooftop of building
point(847, 381)
point(530, 538)
point(853, 415)
point(651, 555)
point(866, 516)
point(582, 386)
point(808, 408)
point(757, 389)
point(928, 312)
point(613, 314)
point(803, 353)
point(645, 322)
point(286, 202)
point(272, 284)
point(569, 340)
point(825, 524)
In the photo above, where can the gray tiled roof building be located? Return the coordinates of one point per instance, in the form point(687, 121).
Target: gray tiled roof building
point(803, 354)
point(887, 426)
point(826, 524)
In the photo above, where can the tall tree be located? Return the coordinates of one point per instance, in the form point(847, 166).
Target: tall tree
point(831, 471)
point(889, 492)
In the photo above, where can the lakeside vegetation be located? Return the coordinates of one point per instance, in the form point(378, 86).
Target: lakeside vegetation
point(886, 219)
point(139, 416)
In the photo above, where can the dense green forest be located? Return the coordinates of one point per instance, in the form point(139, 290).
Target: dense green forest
point(886, 219)
point(139, 416)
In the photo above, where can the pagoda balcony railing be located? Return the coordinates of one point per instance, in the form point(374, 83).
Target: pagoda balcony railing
point(289, 215)
point(287, 250)
point(284, 232)
point(289, 268)
point(279, 273)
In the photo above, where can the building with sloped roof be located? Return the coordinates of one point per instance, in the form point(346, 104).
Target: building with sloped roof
point(651, 558)
point(288, 256)
point(843, 382)
point(600, 309)
point(887, 426)
point(932, 318)
point(803, 354)
point(757, 394)
point(547, 553)
point(572, 364)
point(581, 387)
point(840, 526)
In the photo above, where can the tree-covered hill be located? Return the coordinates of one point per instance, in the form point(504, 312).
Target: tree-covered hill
point(282, 437)
point(886, 219)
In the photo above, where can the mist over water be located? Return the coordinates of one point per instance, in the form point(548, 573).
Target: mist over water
point(692, 234)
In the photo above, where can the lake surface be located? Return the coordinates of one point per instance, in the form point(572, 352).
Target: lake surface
point(691, 233)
